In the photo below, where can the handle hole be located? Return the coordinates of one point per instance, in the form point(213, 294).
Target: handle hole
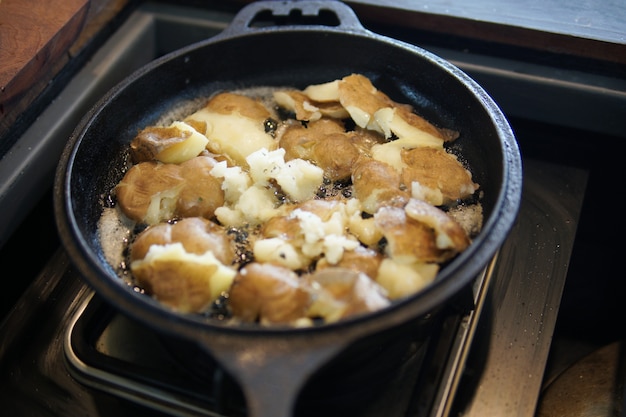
point(266, 18)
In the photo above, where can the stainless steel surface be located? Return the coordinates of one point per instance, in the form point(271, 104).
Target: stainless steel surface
point(524, 301)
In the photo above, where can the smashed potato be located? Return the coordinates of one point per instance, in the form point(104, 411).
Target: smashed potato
point(186, 265)
point(282, 206)
point(174, 144)
point(151, 192)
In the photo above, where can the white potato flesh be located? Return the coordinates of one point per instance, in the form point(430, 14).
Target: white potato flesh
point(324, 92)
point(402, 279)
point(191, 147)
point(234, 135)
point(185, 281)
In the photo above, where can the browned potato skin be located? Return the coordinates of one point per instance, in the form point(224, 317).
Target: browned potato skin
point(336, 155)
point(196, 234)
point(407, 237)
point(321, 208)
point(184, 286)
point(361, 259)
point(229, 103)
point(358, 91)
point(442, 223)
point(152, 140)
point(416, 238)
point(406, 113)
point(199, 193)
point(141, 182)
point(325, 143)
point(288, 228)
point(353, 289)
point(299, 140)
point(270, 293)
point(202, 193)
point(299, 98)
point(371, 176)
point(281, 226)
point(438, 169)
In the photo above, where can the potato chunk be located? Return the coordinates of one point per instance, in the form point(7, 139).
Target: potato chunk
point(235, 126)
point(439, 170)
point(202, 193)
point(420, 232)
point(269, 294)
point(343, 292)
point(151, 192)
point(186, 266)
point(324, 143)
point(174, 144)
point(377, 184)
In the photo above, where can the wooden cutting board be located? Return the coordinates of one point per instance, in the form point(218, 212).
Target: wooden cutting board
point(35, 36)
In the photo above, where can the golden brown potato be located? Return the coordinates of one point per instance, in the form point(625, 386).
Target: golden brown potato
point(173, 144)
point(186, 266)
point(298, 140)
point(269, 294)
point(420, 232)
point(372, 109)
point(202, 193)
point(323, 209)
point(307, 109)
point(437, 169)
point(344, 292)
point(324, 143)
point(197, 235)
point(451, 236)
point(377, 184)
point(151, 192)
point(298, 103)
point(336, 154)
point(284, 227)
point(361, 259)
point(232, 103)
point(361, 99)
point(235, 126)
point(408, 240)
point(148, 192)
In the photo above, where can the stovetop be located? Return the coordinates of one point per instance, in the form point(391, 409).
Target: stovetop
point(58, 355)
point(71, 354)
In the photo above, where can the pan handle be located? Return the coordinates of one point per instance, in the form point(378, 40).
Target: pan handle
point(271, 371)
point(244, 21)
